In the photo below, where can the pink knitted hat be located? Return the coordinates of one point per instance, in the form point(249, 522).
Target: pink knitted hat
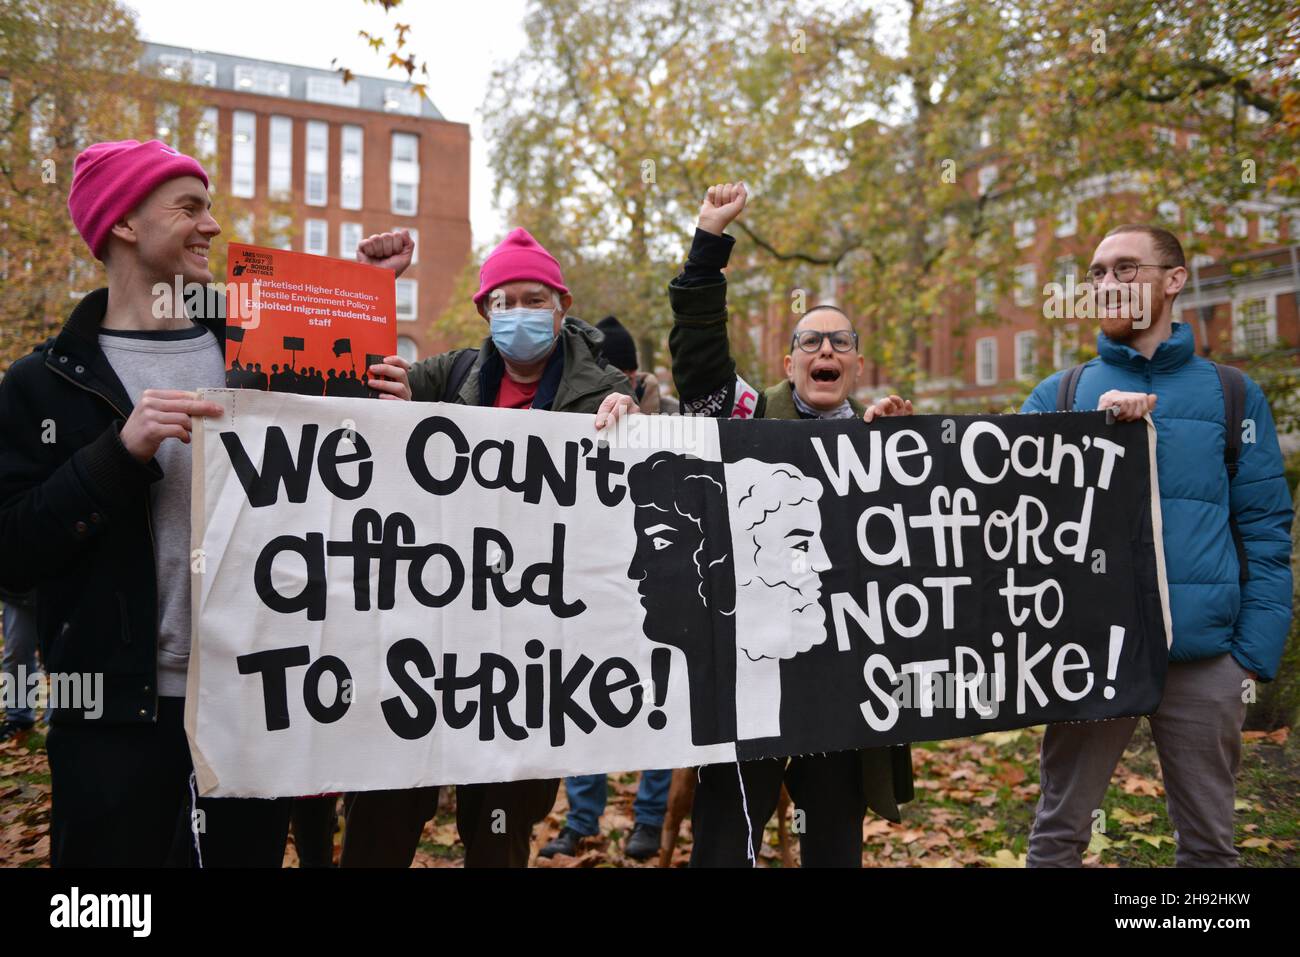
point(519, 257)
point(109, 180)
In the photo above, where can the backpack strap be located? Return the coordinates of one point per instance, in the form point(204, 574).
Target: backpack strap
point(460, 367)
point(1066, 388)
point(1234, 411)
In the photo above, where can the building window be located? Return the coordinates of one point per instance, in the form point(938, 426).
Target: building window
point(985, 293)
point(205, 135)
point(244, 228)
point(1067, 220)
point(1255, 328)
point(1168, 211)
point(988, 175)
point(407, 299)
point(1066, 270)
point(349, 240)
point(1236, 228)
point(261, 79)
point(404, 173)
point(318, 162)
point(6, 107)
point(1026, 284)
point(188, 69)
point(1165, 135)
point(1024, 229)
point(401, 100)
point(38, 126)
point(407, 349)
point(1268, 227)
point(243, 154)
point(279, 183)
point(316, 238)
point(332, 89)
point(1026, 361)
point(167, 124)
point(1065, 346)
point(281, 228)
point(1201, 223)
point(350, 168)
point(986, 361)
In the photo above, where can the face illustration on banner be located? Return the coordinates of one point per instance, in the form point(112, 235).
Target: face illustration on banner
point(776, 533)
point(683, 569)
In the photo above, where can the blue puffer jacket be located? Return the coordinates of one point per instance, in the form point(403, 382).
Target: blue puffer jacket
point(1212, 613)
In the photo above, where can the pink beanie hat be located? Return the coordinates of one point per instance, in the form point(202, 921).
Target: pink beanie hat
point(519, 257)
point(109, 180)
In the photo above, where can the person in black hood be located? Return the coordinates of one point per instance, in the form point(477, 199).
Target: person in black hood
point(619, 350)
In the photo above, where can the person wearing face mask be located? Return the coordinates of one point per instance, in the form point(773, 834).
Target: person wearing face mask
point(822, 371)
point(535, 356)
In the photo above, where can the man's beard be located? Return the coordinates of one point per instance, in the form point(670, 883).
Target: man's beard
point(1123, 318)
point(1118, 329)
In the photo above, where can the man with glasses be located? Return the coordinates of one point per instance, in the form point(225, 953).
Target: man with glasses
point(1226, 529)
point(821, 375)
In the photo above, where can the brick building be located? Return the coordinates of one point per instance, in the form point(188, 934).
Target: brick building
point(1240, 297)
point(324, 163)
point(987, 347)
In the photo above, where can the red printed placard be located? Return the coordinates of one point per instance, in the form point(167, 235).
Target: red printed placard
point(306, 324)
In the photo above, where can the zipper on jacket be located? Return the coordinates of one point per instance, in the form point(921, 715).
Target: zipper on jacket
point(148, 518)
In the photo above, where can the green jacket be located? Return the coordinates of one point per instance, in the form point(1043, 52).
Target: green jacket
point(704, 373)
point(583, 383)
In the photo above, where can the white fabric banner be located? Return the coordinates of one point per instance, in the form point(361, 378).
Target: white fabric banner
point(392, 594)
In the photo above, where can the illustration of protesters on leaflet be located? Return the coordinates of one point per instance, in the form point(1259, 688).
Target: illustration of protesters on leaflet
point(1227, 544)
point(535, 356)
point(821, 374)
point(95, 429)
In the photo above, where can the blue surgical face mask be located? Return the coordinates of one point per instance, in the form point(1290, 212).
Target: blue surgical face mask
point(523, 335)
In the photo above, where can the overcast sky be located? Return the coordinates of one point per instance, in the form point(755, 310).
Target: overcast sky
point(461, 41)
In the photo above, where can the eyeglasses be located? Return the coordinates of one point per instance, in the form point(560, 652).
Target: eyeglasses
point(810, 340)
point(1124, 272)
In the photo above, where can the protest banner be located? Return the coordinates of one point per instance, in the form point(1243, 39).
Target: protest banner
point(304, 324)
point(388, 595)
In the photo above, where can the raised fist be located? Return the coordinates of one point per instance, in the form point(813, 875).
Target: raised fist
point(391, 250)
point(721, 205)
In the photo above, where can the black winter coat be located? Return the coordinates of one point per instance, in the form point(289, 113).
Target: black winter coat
point(75, 519)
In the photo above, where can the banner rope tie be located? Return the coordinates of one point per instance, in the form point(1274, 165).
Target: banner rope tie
point(749, 825)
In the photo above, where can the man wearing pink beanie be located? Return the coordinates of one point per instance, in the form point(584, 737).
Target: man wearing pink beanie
point(535, 356)
point(95, 429)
